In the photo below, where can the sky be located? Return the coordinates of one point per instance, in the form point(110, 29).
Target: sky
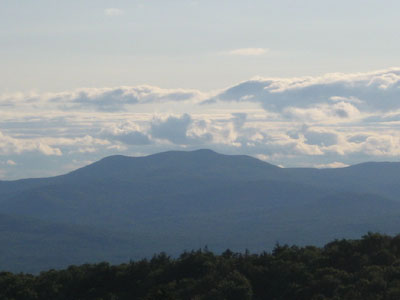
point(295, 83)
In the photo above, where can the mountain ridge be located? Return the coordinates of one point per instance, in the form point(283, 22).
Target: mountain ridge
point(179, 200)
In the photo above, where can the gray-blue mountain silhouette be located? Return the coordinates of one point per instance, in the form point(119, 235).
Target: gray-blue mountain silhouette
point(130, 207)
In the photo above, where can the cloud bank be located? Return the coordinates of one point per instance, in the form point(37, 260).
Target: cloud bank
point(332, 120)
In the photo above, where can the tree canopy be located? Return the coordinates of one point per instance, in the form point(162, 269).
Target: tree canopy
point(368, 268)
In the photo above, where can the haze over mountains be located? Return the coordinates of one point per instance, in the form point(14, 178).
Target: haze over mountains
point(122, 208)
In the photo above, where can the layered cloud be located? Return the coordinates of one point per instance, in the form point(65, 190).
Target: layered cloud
point(372, 91)
point(100, 99)
point(326, 121)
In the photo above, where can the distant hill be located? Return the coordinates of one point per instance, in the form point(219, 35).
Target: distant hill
point(136, 206)
point(30, 245)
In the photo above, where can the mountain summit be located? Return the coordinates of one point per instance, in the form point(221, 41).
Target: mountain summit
point(175, 163)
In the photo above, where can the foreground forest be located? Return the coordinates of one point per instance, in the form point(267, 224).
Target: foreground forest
point(368, 268)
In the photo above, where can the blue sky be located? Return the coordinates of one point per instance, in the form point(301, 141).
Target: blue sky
point(297, 83)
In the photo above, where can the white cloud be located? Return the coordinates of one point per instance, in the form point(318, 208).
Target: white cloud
point(177, 130)
point(102, 99)
point(86, 140)
point(248, 51)
point(331, 165)
point(45, 145)
point(382, 145)
point(326, 113)
point(11, 145)
point(346, 99)
point(127, 132)
point(368, 91)
point(47, 150)
point(113, 12)
point(10, 162)
point(305, 121)
point(87, 150)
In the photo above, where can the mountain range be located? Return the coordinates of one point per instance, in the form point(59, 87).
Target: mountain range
point(122, 208)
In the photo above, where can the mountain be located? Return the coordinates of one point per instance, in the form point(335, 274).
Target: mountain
point(29, 245)
point(172, 201)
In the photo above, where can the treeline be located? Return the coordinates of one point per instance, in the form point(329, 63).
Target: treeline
point(368, 268)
